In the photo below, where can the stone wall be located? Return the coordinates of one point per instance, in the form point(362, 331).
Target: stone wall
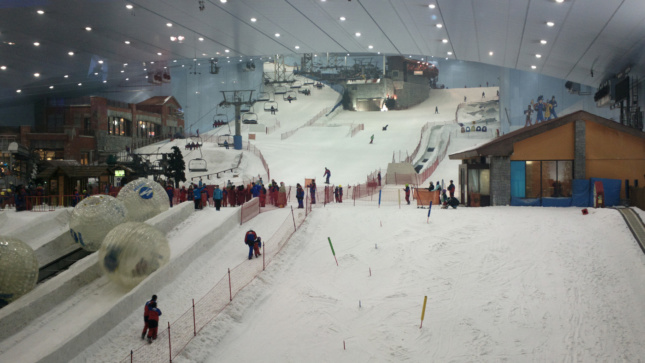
point(500, 180)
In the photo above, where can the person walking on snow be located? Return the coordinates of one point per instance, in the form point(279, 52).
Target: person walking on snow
point(340, 194)
point(407, 193)
point(312, 191)
point(153, 321)
point(300, 194)
point(254, 242)
point(451, 189)
point(146, 314)
point(327, 174)
point(217, 197)
point(372, 139)
point(436, 109)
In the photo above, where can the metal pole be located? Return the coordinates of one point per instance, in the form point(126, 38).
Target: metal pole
point(294, 219)
point(263, 255)
point(169, 345)
point(194, 323)
point(131, 354)
point(230, 289)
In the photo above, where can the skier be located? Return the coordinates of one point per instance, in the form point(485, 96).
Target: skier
point(483, 94)
point(407, 193)
point(300, 194)
point(197, 197)
point(312, 191)
point(436, 109)
point(254, 242)
point(145, 316)
point(336, 194)
point(372, 139)
point(451, 189)
point(171, 193)
point(327, 174)
point(153, 321)
point(217, 197)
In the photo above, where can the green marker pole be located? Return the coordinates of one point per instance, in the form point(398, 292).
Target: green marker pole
point(332, 250)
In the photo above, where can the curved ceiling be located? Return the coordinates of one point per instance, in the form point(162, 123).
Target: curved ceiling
point(590, 40)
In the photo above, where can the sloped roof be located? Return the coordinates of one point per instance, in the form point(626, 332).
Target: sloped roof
point(159, 101)
point(503, 145)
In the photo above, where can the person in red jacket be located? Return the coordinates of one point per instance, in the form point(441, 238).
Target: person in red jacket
point(263, 196)
point(153, 321)
point(182, 194)
point(451, 189)
point(407, 193)
point(254, 242)
point(146, 313)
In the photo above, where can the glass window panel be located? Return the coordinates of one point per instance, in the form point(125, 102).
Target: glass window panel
point(549, 177)
point(473, 180)
point(484, 182)
point(565, 177)
point(533, 179)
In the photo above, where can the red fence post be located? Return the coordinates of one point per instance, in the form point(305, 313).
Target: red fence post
point(263, 254)
point(230, 290)
point(194, 323)
point(169, 345)
point(242, 214)
point(131, 354)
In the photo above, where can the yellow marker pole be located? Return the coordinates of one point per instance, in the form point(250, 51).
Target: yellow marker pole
point(423, 312)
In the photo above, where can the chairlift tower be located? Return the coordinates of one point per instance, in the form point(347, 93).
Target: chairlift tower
point(237, 99)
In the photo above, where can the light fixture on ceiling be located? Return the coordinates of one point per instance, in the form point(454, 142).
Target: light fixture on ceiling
point(533, 67)
point(70, 53)
point(538, 56)
point(203, 54)
point(129, 6)
point(439, 25)
point(169, 25)
point(36, 44)
point(41, 12)
point(127, 42)
point(101, 61)
point(277, 35)
point(378, 53)
point(490, 53)
point(127, 79)
point(226, 50)
point(449, 53)
point(358, 34)
point(152, 62)
point(342, 18)
point(253, 20)
point(89, 29)
point(125, 64)
point(80, 84)
point(200, 39)
point(431, 6)
point(222, 1)
point(96, 73)
point(173, 38)
point(66, 76)
point(104, 81)
point(370, 46)
point(36, 75)
point(297, 47)
point(201, 5)
point(18, 91)
point(550, 23)
point(444, 41)
point(4, 68)
point(218, 53)
point(122, 71)
point(158, 53)
point(542, 41)
point(559, 1)
point(174, 61)
point(51, 87)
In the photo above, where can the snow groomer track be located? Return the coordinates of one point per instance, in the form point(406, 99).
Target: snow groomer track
point(635, 224)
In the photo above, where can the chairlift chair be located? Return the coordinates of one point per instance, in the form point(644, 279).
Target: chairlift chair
point(308, 81)
point(249, 118)
point(296, 84)
point(280, 90)
point(198, 164)
point(291, 94)
point(267, 106)
point(303, 90)
point(264, 96)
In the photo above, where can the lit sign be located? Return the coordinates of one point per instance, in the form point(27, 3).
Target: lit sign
point(119, 173)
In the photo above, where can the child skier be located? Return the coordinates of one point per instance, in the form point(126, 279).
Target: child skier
point(146, 313)
point(254, 242)
point(153, 321)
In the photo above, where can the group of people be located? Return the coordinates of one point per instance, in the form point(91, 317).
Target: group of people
point(444, 199)
point(217, 123)
point(545, 110)
point(192, 145)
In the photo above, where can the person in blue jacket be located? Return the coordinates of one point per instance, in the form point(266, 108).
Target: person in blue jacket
point(217, 197)
point(171, 193)
point(300, 194)
point(255, 190)
point(254, 242)
point(327, 174)
point(197, 197)
point(312, 191)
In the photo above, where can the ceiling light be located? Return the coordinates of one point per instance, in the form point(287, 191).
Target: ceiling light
point(533, 67)
point(204, 54)
point(127, 42)
point(125, 64)
point(173, 38)
point(222, 1)
point(378, 53)
point(3, 67)
point(165, 67)
point(96, 73)
point(348, 54)
point(66, 76)
point(370, 46)
point(41, 12)
point(431, 6)
point(342, 18)
point(358, 34)
point(490, 54)
point(127, 79)
point(180, 38)
point(253, 20)
point(297, 47)
point(439, 26)
point(36, 75)
point(101, 62)
point(169, 25)
point(538, 56)
point(277, 35)
point(559, 1)
point(217, 53)
point(182, 66)
point(158, 53)
point(444, 40)
point(201, 39)
point(18, 91)
point(36, 44)
point(104, 81)
point(145, 69)
point(550, 23)
point(11, 43)
point(51, 87)
point(122, 71)
point(129, 7)
point(70, 53)
point(89, 29)
point(174, 61)
point(229, 61)
point(80, 84)
point(542, 41)
point(226, 50)
point(152, 62)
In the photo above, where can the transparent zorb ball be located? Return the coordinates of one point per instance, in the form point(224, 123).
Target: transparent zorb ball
point(144, 199)
point(18, 269)
point(93, 218)
point(131, 251)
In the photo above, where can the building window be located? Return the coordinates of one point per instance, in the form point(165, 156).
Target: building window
point(542, 179)
point(119, 126)
point(85, 158)
point(45, 154)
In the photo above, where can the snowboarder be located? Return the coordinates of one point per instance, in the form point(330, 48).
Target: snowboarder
point(407, 193)
point(483, 94)
point(372, 139)
point(300, 194)
point(254, 242)
point(451, 189)
point(327, 174)
point(153, 321)
point(145, 316)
